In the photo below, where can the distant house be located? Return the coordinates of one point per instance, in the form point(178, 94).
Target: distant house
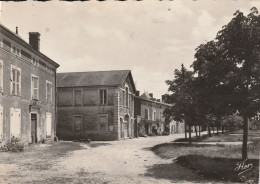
point(176, 127)
point(149, 114)
point(27, 89)
point(96, 105)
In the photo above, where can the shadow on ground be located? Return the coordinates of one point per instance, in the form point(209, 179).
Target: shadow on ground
point(174, 172)
point(94, 145)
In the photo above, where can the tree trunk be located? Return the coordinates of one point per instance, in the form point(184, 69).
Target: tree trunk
point(245, 136)
point(185, 130)
point(217, 130)
point(196, 132)
point(189, 134)
point(209, 132)
point(199, 131)
point(213, 130)
point(222, 129)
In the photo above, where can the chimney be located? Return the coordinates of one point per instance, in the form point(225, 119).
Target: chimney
point(151, 95)
point(16, 31)
point(137, 93)
point(34, 40)
point(163, 98)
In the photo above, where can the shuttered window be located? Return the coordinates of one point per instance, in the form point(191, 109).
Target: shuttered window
point(1, 76)
point(15, 81)
point(35, 87)
point(48, 92)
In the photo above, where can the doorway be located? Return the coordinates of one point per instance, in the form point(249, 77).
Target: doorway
point(34, 127)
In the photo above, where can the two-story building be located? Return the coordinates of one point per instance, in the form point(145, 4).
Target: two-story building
point(149, 114)
point(27, 88)
point(95, 105)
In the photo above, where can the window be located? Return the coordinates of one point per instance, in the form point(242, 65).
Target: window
point(127, 97)
point(15, 50)
point(48, 92)
point(15, 122)
point(48, 124)
point(15, 80)
point(146, 114)
point(1, 43)
point(35, 87)
point(103, 123)
point(1, 76)
point(78, 97)
point(103, 96)
point(154, 115)
point(123, 98)
point(35, 61)
point(77, 123)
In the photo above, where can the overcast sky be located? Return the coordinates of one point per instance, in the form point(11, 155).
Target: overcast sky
point(152, 38)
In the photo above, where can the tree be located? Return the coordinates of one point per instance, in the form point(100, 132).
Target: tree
point(180, 98)
point(240, 41)
point(229, 68)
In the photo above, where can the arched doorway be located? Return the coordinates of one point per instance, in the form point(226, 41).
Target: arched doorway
point(126, 127)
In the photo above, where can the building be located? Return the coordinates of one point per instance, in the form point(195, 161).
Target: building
point(95, 105)
point(176, 127)
point(27, 88)
point(149, 114)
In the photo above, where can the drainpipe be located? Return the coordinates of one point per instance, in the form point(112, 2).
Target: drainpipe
point(56, 118)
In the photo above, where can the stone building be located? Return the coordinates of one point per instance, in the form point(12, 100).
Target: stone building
point(27, 88)
point(95, 105)
point(149, 114)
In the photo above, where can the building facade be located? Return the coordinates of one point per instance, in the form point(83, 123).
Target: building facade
point(27, 88)
point(149, 114)
point(95, 105)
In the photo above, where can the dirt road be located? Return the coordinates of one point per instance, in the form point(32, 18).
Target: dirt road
point(126, 161)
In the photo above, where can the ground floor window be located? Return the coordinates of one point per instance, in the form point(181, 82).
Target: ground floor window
point(48, 124)
point(102, 122)
point(78, 123)
point(1, 123)
point(15, 122)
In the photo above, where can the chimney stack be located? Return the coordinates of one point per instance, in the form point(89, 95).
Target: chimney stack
point(163, 98)
point(151, 95)
point(137, 93)
point(34, 40)
point(16, 31)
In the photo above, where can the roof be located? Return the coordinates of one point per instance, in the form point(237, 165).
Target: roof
point(145, 95)
point(95, 78)
point(28, 46)
point(152, 100)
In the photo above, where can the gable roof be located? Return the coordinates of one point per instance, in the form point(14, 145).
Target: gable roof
point(95, 78)
point(145, 95)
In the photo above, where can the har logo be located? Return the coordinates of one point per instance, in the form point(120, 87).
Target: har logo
point(242, 167)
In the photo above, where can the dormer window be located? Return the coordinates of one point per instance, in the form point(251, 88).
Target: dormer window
point(16, 51)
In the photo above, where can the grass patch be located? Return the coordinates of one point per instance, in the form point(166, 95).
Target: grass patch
point(220, 168)
point(215, 161)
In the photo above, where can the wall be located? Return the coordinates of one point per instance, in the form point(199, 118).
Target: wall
point(89, 109)
point(24, 101)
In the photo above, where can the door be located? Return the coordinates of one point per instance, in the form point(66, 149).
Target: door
point(1, 124)
point(48, 124)
point(15, 122)
point(34, 128)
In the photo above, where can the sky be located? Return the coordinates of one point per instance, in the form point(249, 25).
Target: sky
point(151, 38)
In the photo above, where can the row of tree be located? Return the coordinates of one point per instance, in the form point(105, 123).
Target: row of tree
point(224, 79)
